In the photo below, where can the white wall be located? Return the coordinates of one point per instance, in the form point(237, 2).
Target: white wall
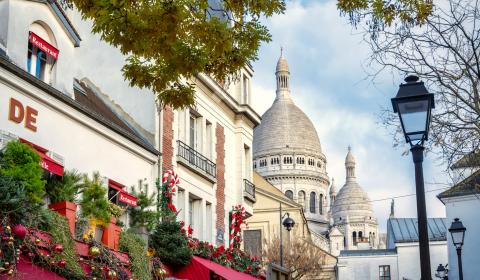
point(465, 208)
point(366, 267)
point(409, 258)
point(84, 144)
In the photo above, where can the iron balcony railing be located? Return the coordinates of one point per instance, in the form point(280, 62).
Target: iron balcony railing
point(249, 190)
point(195, 159)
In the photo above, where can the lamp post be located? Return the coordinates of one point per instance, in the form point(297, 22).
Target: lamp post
point(457, 230)
point(442, 272)
point(414, 104)
point(288, 223)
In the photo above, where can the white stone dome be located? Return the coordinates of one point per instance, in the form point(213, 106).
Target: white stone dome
point(351, 201)
point(285, 127)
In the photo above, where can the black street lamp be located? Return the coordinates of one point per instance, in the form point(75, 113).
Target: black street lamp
point(288, 223)
point(442, 272)
point(414, 104)
point(457, 230)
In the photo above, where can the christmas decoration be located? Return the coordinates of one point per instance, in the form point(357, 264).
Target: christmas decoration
point(238, 218)
point(58, 248)
point(19, 231)
point(94, 251)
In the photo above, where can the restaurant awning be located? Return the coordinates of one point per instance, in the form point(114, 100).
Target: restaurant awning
point(46, 162)
point(200, 269)
point(123, 196)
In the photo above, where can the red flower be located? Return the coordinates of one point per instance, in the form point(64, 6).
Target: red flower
point(190, 230)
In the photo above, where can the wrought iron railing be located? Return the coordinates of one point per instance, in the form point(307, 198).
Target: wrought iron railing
point(195, 159)
point(249, 189)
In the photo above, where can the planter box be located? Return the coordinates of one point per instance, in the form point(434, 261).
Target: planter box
point(111, 235)
point(68, 210)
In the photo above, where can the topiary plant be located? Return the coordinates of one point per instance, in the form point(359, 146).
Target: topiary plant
point(144, 215)
point(20, 162)
point(170, 244)
point(135, 247)
point(94, 202)
point(64, 188)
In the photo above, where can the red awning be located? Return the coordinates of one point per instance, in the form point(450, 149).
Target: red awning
point(46, 162)
point(199, 269)
point(123, 196)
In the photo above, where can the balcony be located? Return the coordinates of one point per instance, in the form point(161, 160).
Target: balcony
point(249, 190)
point(196, 161)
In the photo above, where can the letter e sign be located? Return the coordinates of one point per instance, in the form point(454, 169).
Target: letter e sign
point(17, 113)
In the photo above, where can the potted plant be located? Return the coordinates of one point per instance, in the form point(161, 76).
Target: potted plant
point(111, 233)
point(144, 217)
point(94, 205)
point(62, 192)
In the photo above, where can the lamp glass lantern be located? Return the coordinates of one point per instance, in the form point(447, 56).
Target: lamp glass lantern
point(414, 104)
point(288, 223)
point(457, 230)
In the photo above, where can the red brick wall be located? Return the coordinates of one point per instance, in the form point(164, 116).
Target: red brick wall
point(220, 162)
point(167, 138)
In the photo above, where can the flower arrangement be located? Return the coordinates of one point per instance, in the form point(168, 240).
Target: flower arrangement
point(238, 219)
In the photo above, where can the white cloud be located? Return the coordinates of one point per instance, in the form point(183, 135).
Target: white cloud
point(327, 78)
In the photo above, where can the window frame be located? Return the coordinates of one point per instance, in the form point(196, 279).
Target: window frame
point(384, 272)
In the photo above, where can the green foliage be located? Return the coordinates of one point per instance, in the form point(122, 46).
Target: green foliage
point(115, 210)
point(64, 188)
point(94, 200)
point(135, 247)
point(145, 214)
point(57, 226)
point(379, 13)
point(170, 244)
point(169, 42)
point(14, 202)
point(20, 162)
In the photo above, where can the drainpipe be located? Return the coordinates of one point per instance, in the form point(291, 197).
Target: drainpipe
point(160, 148)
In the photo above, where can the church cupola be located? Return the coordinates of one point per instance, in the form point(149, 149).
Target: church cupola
point(350, 165)
point(283, 77)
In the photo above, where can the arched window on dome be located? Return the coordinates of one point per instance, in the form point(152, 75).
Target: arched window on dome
point(319, 164)
point(360, 236)
point(354, 238)
point(313, 202)
point(320, 204)
point(301, 198)
point(287, 160)
point(254, 164)
point(300, 160)
point(289, 194)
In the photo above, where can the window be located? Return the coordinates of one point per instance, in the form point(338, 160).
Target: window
point(208, 139)
point(289, 194)
point(300, 160)
point(252, 242)
point(245, 89)
point(287, 160)
point(320, 204)
point(311, 162)
point(254, 164)
point(384, 272)
point(193, 132)
point(263, 163)
point(354, 238)
point(41, 52)
point(313, 198)
point(274, 160)
point(319, 164)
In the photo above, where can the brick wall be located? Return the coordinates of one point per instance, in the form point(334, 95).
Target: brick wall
point(220, 162)
point(167, 138)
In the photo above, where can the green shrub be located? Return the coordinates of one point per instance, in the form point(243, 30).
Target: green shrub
point(20, 162)
point(14, 201)
point(135, 247)
point(94, 200)
point(170, 244)
point(64, 188)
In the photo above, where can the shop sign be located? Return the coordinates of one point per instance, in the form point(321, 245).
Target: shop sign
point(18, 113)
point(127, 199)
point(43, 45)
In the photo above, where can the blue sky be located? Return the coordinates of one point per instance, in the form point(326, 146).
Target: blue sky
point(327, 60)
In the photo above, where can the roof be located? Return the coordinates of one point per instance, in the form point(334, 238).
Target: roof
point(469, 186)
point(403, 230)
point(470, 160)
point(376, 252)
point(83, 108)
point(263, 185)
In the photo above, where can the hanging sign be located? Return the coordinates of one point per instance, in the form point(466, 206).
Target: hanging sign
point(43, 45)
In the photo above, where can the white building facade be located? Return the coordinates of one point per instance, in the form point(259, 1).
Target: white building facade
point(80, 110)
